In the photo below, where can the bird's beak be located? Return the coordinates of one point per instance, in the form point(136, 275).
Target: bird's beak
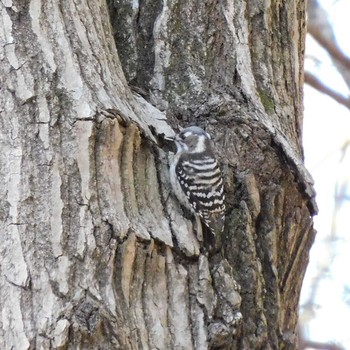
point(170, 138)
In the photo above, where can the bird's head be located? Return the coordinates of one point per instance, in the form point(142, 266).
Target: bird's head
point(193, 140)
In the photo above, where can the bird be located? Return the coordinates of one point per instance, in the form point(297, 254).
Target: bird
point(196, 179)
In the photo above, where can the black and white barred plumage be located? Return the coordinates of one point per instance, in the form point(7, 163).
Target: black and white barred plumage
point(196, 177)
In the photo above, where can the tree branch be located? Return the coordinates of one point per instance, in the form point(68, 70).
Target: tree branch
point(329, 46)
point(318, 85)
point(322, 346)
point(322, 31)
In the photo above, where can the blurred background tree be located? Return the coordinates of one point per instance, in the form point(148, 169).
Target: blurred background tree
point(325, 301)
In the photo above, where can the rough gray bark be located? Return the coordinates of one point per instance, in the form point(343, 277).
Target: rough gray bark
point(95, 251)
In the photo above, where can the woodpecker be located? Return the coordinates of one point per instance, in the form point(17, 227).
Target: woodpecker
point(196, 178)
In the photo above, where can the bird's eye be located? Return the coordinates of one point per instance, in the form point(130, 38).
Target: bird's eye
point(185, 135)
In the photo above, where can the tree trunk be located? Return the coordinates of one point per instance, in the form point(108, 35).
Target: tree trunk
point(96, 253)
